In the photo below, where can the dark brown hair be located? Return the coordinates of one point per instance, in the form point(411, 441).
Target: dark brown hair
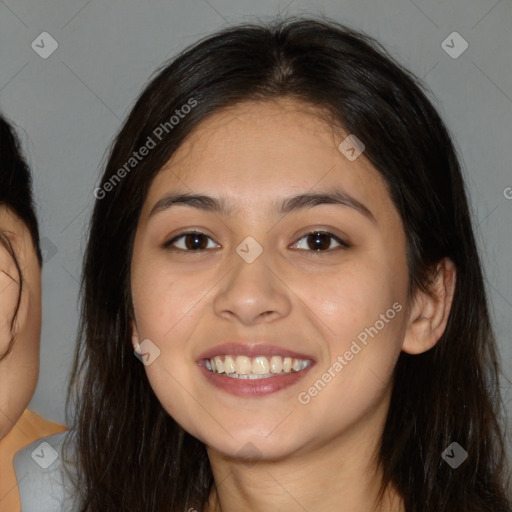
point(16, 195)
point(131, 455)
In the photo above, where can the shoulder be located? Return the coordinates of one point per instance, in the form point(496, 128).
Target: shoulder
point(38, 426)
point(42, 481)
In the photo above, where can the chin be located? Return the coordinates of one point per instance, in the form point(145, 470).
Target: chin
point(253, 448)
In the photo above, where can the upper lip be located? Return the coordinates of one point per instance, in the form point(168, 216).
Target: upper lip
point(251, 350)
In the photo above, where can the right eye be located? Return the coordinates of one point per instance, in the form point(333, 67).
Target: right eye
point(193, 241)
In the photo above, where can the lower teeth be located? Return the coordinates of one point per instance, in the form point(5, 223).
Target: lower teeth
point(253, 375)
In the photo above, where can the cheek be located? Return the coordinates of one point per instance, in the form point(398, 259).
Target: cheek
point(167, 312)
point(361, 311)
point(161, 303)
point(352, 297)
point(162, 299)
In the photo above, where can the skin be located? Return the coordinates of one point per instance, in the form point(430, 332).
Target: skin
point(256, 154)
point(19, 370)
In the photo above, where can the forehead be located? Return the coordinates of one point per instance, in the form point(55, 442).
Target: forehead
point(257, 151)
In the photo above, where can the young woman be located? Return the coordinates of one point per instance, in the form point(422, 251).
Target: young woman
point(20, 314)
point(282, 238)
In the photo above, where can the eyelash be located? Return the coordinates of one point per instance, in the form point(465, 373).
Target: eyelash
point(343, 245)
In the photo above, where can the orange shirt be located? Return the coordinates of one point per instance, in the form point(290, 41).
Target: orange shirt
point(29, 428)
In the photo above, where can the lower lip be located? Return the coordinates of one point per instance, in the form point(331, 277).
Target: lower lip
point(253, 387)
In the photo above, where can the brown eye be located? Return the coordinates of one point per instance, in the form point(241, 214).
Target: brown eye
point(192, 241)
point(320, 241)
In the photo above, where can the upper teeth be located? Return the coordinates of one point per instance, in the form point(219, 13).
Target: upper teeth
point(259, 366)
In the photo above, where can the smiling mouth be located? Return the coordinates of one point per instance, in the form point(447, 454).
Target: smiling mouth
point(260, 367)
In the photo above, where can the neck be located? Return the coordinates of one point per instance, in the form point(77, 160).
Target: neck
point(339, 476)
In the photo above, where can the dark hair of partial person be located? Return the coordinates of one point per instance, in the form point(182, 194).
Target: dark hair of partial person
point(16, 195)
point(131, 454)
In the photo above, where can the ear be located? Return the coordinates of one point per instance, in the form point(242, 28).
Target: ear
point(429, 313)
point(135, 334)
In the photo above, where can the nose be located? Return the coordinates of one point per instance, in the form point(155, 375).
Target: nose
point(253, 293)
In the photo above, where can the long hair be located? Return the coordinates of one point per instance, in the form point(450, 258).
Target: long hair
point(131, 455)
point(16, 196)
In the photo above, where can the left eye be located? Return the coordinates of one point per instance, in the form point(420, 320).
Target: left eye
point(321, 239)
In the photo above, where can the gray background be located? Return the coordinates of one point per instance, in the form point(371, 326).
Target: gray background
point(69, 106)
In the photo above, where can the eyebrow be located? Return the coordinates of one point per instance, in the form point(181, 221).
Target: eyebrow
point(289, 204)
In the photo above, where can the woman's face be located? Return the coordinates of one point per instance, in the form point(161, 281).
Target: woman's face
point(20, 368)
point(258, 281)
